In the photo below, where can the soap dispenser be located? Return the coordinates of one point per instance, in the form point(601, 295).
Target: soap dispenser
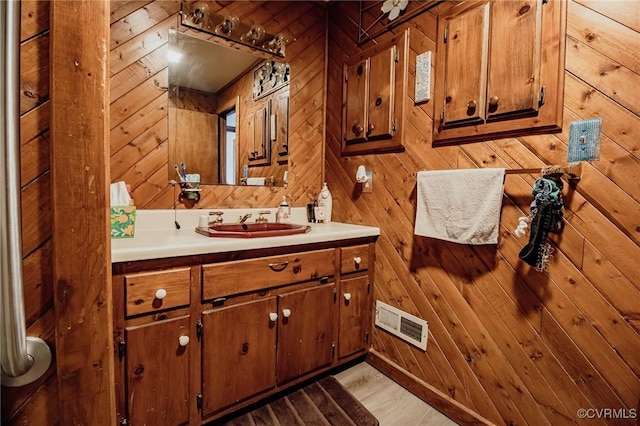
point(283, 215)
point(325, 203)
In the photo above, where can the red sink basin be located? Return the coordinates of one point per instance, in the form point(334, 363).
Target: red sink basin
point(253, 230)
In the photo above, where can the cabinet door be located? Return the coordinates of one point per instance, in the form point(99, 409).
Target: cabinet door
point(465, 47)
point(355, 317)
point(305, 333)
point(356, 96)
point(280, 122)
point(514, 58)
point(258, 145)
point(381, 93)
point(157, 369)
point(499, 70)
point(238, 353)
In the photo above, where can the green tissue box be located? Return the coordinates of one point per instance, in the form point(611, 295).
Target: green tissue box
point(123, 221)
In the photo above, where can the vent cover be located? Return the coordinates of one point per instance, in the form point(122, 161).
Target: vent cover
point(406, 326)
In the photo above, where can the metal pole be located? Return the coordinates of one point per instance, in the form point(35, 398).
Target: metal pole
point(24, 359)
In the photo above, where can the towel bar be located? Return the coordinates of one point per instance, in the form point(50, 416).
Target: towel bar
point(573, 172)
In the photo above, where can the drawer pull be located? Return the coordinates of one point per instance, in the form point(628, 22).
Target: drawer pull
point(278, 266)
point(161, 293)
point(358, 260)
point(183, 340)
point(273, 316)
point(347, 296)
point(286, 313)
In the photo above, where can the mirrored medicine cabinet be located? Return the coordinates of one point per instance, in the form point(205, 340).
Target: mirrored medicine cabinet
point(228, 113)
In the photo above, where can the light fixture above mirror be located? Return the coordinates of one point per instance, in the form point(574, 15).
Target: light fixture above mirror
point(198, 15)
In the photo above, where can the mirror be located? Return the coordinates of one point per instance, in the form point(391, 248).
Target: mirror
point(228, 114)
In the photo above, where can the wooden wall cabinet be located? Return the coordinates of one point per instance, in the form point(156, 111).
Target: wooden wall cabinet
point(374, 86)
point(258, 131)
point(499, 70)
point(199, 337)
point(268, 128)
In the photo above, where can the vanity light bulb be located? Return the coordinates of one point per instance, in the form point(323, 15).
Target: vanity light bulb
point(199, 13)
point(255, 34)
point(227, 25)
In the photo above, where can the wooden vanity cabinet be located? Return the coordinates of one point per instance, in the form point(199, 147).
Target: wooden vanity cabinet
point(153, 341)
point(235, 328)
point(355, 300)
point(275, 337)
point(499, 70)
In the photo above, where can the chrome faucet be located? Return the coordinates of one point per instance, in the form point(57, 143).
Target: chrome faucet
point(244, 218)
point(261, 218)
point(217, 219)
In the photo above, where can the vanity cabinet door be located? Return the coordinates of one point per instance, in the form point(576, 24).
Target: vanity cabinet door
point(305, 333)
point(238, 353)
point(355, 315)
point(157, 372)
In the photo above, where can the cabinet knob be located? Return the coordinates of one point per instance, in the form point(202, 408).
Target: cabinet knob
point(347, 296)
point(183, 340)
point(273, 316)
point(286, 313)
point(371, 127)
point(357, 260)
point(357, 129)
point(471, 107)
point(161, 293)
point(493, 103)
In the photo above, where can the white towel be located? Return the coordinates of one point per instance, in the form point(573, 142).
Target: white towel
point(119, 194)
point(256, 181)
point(461, 206)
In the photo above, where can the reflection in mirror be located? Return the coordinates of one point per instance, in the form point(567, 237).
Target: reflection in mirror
point(228, 113)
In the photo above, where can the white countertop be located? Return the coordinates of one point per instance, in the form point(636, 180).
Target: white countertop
point(156, 236)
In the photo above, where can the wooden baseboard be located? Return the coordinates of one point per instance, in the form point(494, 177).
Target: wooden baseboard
point(432, 396)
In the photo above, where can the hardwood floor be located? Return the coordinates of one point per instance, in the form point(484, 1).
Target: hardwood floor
point(388, 401)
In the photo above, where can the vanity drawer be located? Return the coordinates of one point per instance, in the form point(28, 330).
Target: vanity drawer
point(154, 291)
point(354, 258)
point(241, 276)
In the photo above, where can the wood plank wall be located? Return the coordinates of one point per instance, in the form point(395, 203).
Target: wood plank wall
point(512, 344)
point(139, 148)
point(139, 151)
point(507, 342)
